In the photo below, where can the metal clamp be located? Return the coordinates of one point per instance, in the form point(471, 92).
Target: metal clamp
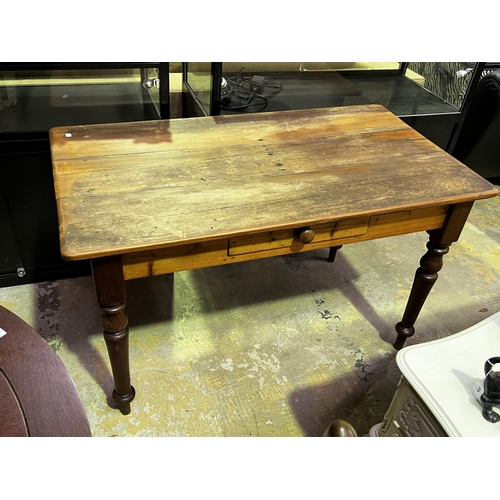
point(155, 82)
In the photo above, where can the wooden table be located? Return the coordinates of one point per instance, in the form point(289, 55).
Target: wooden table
point(149, 198)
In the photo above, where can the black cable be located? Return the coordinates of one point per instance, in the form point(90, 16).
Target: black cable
point(255, 82)
point(242, 95)
point(247, 89)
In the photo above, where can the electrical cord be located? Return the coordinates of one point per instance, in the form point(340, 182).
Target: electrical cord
point(238, 93)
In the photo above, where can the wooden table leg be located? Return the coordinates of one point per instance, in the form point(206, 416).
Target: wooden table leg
point(430, 264)
point(110, 289)
point(333, 253)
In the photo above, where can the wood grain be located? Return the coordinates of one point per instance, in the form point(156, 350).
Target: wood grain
point(329, 232)
point(47, 401)
point(12, 423)
point(131, 187)
point(272, 244)
point(111, 297)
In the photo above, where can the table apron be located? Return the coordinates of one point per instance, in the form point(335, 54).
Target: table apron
point(282, 242)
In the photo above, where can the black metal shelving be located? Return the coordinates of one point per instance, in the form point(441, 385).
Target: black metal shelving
point(28, 219)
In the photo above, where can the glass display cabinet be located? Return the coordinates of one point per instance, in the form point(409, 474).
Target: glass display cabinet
point(35, 97)
point(470, 114)
point(430, 97)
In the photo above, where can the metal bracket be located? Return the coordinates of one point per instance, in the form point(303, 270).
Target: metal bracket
point(155, 82)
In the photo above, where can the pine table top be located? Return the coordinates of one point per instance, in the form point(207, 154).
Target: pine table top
point(125, 187)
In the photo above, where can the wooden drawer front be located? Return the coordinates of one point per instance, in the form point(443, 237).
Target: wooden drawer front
point(273, 240)
point(408, 221)
point(341, 232)
point(282, 242)
point(174, 259)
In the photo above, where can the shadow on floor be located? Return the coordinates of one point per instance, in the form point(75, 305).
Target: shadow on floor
point(277, 278)
point(361, 400)
point(150, 301)
point(74, 324)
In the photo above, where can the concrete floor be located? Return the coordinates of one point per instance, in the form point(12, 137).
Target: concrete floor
point(277, 347)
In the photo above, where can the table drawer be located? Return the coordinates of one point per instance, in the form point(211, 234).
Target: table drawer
point(281, 242)
point(289, 238)
point(339, 232)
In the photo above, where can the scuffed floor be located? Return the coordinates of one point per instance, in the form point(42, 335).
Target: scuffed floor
point(277, 347)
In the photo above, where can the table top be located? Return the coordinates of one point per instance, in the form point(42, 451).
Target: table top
point(444, 373)
point(146, 185)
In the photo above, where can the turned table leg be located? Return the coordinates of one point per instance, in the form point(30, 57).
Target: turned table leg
point(430, 264)
point(110, 289)
point(425, 277)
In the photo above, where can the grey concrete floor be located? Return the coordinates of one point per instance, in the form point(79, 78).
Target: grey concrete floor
point(276, 347)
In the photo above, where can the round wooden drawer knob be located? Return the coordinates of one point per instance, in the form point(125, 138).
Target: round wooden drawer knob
point(305, 235)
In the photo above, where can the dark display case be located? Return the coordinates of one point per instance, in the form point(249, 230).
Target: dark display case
point(33, 99)
point(475, 142)
point(430, 97)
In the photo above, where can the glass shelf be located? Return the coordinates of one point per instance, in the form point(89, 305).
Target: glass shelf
point(407, 89)
point(399, 94)
point(35, 101)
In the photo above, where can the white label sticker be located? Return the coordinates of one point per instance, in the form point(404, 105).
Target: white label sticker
point(2, 332)
point(68, 135)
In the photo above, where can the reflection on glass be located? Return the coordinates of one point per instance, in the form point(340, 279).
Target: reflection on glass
point(349, 66)
point(150, 80)
point(39, 100)
point(301, 85)
point(232, 67)
point(277, 86)
point(199, 78)
point(447, 80)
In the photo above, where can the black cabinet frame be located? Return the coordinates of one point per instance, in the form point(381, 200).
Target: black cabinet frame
point(29, 251)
